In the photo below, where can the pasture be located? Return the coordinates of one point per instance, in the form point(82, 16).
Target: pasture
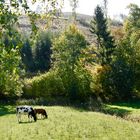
point(68, 123)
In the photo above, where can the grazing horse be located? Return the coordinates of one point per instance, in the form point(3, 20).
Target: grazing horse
point(42, 112)
point(25, 110)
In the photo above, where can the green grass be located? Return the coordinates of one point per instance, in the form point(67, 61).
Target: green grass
point(67, 123)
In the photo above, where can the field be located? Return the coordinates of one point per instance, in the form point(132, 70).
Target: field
point(69, 123)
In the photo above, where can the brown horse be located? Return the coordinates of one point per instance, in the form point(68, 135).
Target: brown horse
point(42, 112)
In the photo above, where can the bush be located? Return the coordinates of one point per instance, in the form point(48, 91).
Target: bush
point(114, 83)
point(123, 79)
point(83, 82)
point(102, 82)
point(45, 85)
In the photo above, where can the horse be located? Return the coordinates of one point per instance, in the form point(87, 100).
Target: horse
point(42, 112)
point(27, 110)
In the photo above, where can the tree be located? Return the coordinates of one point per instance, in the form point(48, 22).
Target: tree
point(124, 75)
point(27, 56)
point(67, 54)
point(105, 42)
point(105, 54)
point(74, 4)
point(132, 23)
point(10, 82)
point(10, 59)
point(42, 52)
point(132, 43)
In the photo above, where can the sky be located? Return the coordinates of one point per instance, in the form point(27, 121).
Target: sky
point(115, 7)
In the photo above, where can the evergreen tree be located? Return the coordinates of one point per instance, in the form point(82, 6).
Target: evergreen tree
point(42, 52)
point(105, 42)
point(27, 57)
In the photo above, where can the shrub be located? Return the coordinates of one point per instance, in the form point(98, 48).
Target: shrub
point(102, 84)
point(45, 85)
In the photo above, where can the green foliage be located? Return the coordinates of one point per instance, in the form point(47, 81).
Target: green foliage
point(45, 85)
point(105, 55)
point(67, 55)
point(120, 66)
point(10, 82)
point(11, 42)
point(133, 20)
point(116, 82)
point(102, 83)
point(132, 43)
point(83, 82)
point(42, 51)
point(105, 42)
point(27, 56)
point(122, 81)
point(10, 72)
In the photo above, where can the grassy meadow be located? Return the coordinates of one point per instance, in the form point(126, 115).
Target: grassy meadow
point(68, 123)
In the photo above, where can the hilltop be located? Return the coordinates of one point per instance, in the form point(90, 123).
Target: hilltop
point(60, 23)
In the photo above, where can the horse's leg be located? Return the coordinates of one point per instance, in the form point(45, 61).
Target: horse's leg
point(29, 117)
point(19, 117)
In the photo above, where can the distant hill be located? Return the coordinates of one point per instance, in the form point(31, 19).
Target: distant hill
point(79, 16)
point(62, 22)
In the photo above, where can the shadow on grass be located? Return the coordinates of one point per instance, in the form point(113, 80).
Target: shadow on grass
point(135, 105)
point(27, 122)
point(106, 109)
point(42, 118)
point(93, 105)
point(115, 111)
point(6, 110)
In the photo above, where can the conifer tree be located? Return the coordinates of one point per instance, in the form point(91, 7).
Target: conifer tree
point(42, 52)
point(27, 57)
point(105, 42)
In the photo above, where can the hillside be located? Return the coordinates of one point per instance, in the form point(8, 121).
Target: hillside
point(59, 24)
